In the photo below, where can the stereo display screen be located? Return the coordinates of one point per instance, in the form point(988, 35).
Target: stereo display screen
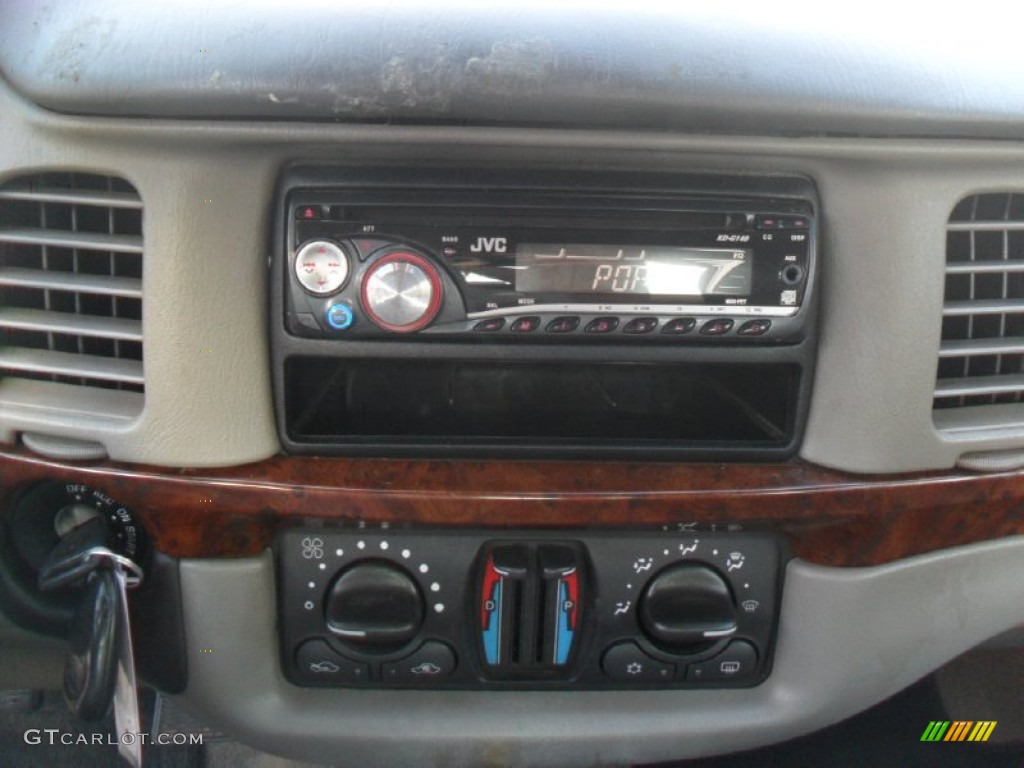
point(635, 270)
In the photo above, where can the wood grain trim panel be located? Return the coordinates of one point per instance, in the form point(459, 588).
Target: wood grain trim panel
point(830, 518)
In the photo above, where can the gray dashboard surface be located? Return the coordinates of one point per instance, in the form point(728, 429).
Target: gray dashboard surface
point(791, 67)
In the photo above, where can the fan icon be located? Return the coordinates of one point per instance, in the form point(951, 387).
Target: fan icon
point(634, 668)
point(312, 548)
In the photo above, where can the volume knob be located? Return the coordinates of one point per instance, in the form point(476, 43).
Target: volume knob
point(401, 292)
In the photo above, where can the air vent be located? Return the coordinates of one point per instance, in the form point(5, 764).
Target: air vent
point(71, 281)
point(980, 360)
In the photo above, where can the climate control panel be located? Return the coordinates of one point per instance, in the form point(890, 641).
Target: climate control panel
point(545, 609)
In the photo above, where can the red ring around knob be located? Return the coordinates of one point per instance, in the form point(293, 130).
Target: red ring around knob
point(435, 286)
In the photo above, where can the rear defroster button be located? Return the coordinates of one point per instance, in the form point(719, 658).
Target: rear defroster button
point(735, 663)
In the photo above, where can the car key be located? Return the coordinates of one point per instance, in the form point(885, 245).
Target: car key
point(100, 668)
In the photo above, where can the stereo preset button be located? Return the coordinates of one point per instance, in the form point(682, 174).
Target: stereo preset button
point(318, 662)
point(754, 327)
point(602, 325)
point(432, 662)
point(717, 327)
point(627, 663)
point(735, 663)
point(563, 325)
point(526, 324)
point(490, 325)
point(641, 325)
point(679, 326)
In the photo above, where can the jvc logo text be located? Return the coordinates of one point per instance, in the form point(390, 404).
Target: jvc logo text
point(490, 245)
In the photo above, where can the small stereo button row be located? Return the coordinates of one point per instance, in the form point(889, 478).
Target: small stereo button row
point(638, 326)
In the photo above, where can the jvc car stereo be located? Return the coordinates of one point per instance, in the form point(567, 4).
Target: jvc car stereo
point(365, 264)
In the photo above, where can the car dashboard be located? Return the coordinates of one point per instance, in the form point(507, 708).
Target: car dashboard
point(573, 386)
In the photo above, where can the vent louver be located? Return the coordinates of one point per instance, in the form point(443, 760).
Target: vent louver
point(71, 281)
point(980, 360)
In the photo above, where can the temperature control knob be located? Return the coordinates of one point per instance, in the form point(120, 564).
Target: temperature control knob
point(401, 292)
point(322, 267)
point(686, 606)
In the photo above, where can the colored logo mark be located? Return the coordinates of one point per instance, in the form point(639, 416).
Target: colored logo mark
point(958, 730)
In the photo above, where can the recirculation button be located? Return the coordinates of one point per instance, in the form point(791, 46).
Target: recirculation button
point(432, 662)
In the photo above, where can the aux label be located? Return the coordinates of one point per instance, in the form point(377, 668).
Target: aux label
point(490, 245)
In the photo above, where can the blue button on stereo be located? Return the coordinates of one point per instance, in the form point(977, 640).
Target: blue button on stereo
point(340, 316)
